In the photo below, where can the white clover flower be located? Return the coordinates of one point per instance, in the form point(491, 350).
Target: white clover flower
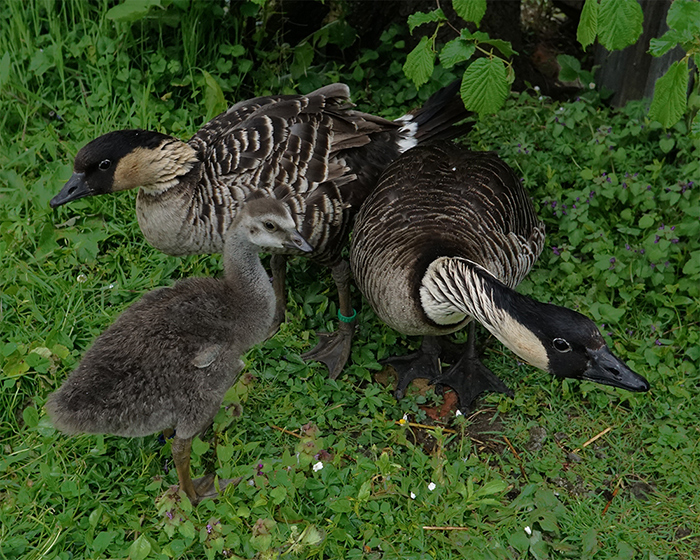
point(413, 496)
point(528, 531)
point(318, 466)
point(537, 88)
point(431, 486)
point(540, 98)
point(81, 278)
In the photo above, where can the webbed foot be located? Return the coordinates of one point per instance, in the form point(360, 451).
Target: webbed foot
point(333, 349)
point(469, 378)
point(423, 364)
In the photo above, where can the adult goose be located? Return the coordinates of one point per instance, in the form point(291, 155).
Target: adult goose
point(168, 360)
point(444, 238)
point(312, 151)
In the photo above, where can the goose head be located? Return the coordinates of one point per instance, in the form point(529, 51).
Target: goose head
point(571, 346)
point(267, 223)
point(127, 159)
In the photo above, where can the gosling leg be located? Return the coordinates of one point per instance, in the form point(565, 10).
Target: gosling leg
point(333, 349)
point(468, 377)
point(181, 448)
point(199, 488)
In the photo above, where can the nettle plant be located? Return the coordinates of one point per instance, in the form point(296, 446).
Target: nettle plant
point(616, 24)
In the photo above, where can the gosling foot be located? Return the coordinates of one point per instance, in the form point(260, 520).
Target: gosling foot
point(333, 349)
point(205, 487)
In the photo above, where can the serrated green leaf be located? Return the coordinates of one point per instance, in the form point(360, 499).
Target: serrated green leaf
point(485, 85)
point(684, 16)
point(131, 10)
point(214, 99)
point(420, 18)
point(140, 548)
point(456, 51)
point(619, 23)
point(570, 68)
point(695, 126)
point(504, 47)
point(420, 62)
point(470, 10)
point(669, 101)
point(660, 46)
point(588, 24)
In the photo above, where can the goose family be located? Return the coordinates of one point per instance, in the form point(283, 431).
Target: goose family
point(314, 152)
point(444, 238)
point(168, 360)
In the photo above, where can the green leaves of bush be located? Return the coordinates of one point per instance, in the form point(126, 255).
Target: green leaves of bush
point(616, 23)
point(486, 81)
point(669, 102)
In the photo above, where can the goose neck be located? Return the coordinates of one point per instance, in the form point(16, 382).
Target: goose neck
point(242, 267)
point(455, 288)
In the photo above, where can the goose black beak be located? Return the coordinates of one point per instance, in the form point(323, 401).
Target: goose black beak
point(75, 188)
point(296, 241)
point(605, 368)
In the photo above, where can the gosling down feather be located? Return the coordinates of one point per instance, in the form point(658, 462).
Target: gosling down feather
point(312, 151)
point(168, 360)
point(444, 238)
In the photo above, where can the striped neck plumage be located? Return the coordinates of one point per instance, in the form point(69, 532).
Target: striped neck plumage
point(453, 289)
point(158, 169)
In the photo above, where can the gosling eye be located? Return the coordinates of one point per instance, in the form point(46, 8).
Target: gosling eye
point(105, 164)
point(269, 226)
point(561, 345)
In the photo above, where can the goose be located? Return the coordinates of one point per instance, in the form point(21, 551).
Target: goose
point(312, 151)
point(168, 360)
point(444, 238)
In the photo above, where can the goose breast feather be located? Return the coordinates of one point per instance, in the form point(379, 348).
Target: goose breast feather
point(468, 204)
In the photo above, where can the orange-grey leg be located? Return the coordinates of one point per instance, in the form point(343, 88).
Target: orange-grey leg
point(333, 349)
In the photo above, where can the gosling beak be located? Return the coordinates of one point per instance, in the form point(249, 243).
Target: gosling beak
point(75, 188)
point(296, 241)
point(605, 368)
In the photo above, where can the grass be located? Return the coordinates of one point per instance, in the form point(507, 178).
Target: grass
point(499, 492)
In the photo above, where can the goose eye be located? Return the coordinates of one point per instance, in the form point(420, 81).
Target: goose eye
point(269, 226)
point(561, 345)
point(104, 164)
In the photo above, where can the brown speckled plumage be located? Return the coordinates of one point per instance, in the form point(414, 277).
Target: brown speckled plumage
point(314, 152)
